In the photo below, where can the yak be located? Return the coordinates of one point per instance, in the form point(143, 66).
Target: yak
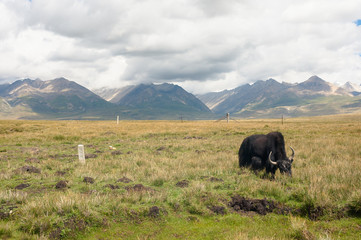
point(265, 151)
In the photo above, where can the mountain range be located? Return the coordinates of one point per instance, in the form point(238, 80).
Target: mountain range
point(151, 101)
point(272, 99)
point(64, 99)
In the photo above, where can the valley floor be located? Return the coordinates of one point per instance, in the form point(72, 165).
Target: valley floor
point(177, 180)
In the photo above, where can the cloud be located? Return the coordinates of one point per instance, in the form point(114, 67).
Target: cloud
point(201, 45)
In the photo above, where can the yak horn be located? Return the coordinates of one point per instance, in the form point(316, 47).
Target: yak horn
point(293, 154)
point(269, 159)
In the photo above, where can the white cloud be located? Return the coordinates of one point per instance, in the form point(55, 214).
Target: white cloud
point(202, 44)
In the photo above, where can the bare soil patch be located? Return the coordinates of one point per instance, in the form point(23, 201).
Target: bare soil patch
point(212, 179)
point(88, 180)
point(60, 173)
point(182, 184)
point(28, 169)
point(138, 188)
point(112, 186)
point(71, 227)
point(114, 153)
point(22, 186)
point(124, 180)
point(311, 211)
point(218, 210)
point(154, 211)
point(63, 156)
point(91, 155)
point(5, 210)
point(194, 137)
point(260, 206)
point(200, 151)
point(32, 160)
point(162, 148)
point(61, 184)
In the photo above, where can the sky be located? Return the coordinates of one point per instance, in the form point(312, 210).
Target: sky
point(201, 45)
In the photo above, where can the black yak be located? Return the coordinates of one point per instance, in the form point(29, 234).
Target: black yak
point(265, 151)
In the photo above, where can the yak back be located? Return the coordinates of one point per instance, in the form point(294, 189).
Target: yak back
point(276, 144)
point(254, 145)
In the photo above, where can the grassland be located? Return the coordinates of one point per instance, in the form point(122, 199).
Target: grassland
point(176, 180)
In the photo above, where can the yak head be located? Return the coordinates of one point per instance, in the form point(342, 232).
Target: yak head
point(285, 165)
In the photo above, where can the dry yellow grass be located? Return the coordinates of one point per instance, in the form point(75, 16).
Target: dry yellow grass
point(158, 154)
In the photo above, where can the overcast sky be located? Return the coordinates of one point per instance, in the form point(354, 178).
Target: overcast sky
point(202, 45)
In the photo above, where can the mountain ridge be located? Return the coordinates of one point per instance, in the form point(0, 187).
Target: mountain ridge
point(270, 99)
point(61, 98)
point(157, 97)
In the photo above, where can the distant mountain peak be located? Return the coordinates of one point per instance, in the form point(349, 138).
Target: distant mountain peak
point(316, 84)
point(158, 98)
point(272, 80)
point(315, 78)
point(271, 98)
point(351, 87)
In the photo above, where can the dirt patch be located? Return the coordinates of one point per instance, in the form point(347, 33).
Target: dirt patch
point(260, 206)
point(6, 210)
point(62, 156)
point(71, 227)
point(28, 169)
point(138, 188)
point(200, 151)
point(32, 150)
point(311, 211)
point(108, 133)
point(182, 184)
point(22, 186)
point(114, 153)
point(218, 209)
point(124, 180)
point(316, 213)
point(60, 173)
point(162, 148)
point(88, 180)
point(154, 212)
point(32, 160)
point(61, 184)
point(4, 215)
point(91, 155)
point(212, 179)
point(111, 186)
point(194, 137)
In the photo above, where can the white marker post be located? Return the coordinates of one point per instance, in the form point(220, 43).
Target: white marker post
point(81, 154)
point(117, 119)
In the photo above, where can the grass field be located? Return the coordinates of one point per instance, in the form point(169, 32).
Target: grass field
point(177, 180)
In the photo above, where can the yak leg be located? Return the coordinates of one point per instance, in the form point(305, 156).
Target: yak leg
point(272, 170)
point(256, 164)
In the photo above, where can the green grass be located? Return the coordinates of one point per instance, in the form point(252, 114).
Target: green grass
point(160, 154)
